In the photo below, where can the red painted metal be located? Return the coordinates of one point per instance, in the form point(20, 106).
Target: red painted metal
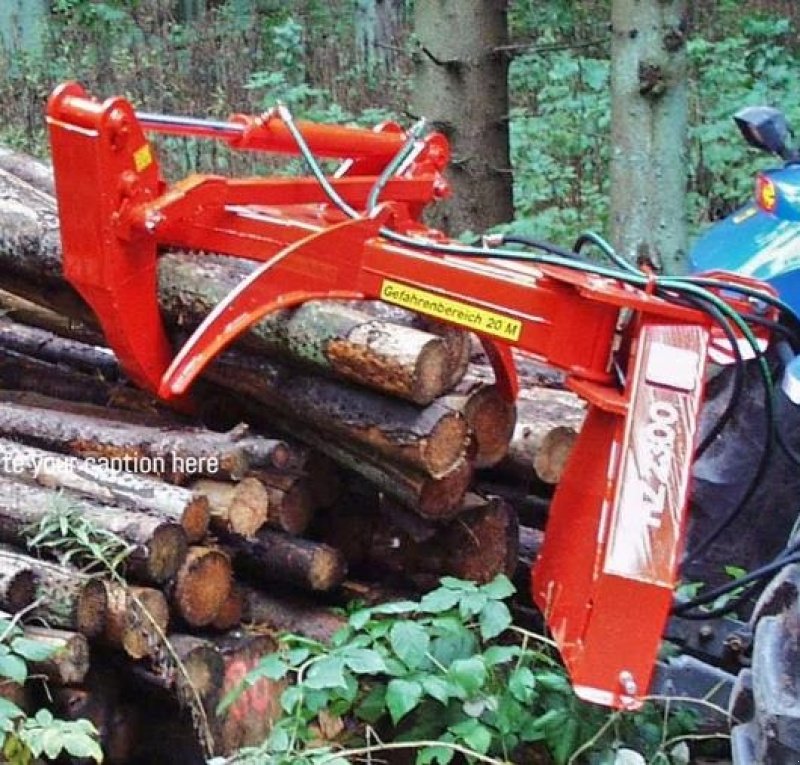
point(607, 569)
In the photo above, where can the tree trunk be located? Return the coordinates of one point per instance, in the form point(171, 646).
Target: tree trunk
point(649, 108)
point(460, 85)
point(106, 485)
point(291, 500)
point(491, 418)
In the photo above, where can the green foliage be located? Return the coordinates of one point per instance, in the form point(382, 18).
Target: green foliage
point(447, 674)
point(24, 738)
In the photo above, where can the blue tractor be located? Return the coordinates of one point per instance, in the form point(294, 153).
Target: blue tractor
point(762, 239)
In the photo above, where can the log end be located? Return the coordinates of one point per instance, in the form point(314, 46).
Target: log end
point(195, 518)
point(19, 590)
point(166, 551)
point(327, 570)
point(492, 419)
point(440, 498)
point(249, 507)
point(147, 622)
point(202, 585)
point(92, 607)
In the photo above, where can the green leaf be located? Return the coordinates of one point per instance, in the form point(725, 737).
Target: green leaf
point(13, 668)
point(440, 600)
point(521, 683)
point(479, 739)
point(410, 643)
point(326, 673)
point(401, 697)
point(398, 607)
point(359, 619)
point(81, 745)
point(500, 654)
point(290, 698)
point(364, 661)
point(499, 588)
point(495, 618)
point(32, 650)
point(272, 666)
point(461, 585)
point(472, 603)
point(9, 710)
point(435, 754)
point(468, 674)
point(458, 645)
point(437, 688)
point(373, 707)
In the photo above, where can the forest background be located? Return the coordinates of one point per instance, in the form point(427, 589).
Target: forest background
point(353, 60)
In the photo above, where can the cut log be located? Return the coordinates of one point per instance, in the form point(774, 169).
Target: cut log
point(480, 544)
point(28, 169)
point(204, 670)
point(432, 439)
point(456, 341)
point(171, 453)
point(67, 599)
point(250, 718)
point(534, 453)
point(69, 661)
point(107, 485)
point(491, 418)
point(137, 619)
point(327, 336)
point(291, 613)
point(158, 547)
point(336, 339)
point(18, 582)
point(202, 585)
point(32, 314)
point(47, 346)
point(275, 557)
point(238, 508)
point(291, 500)
point(23, 373)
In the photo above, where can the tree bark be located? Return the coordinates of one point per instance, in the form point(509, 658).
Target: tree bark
point(202, 585)
point(275, 557)
point(175, 453)
point(67, 598)
point(291, 613)
point(29, 169)
point(158, 546)
point(106, 485)
point(460, 84)
point(249, 719)
point(649, 108)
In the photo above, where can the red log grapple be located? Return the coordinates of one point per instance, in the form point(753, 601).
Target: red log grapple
point(605, 576)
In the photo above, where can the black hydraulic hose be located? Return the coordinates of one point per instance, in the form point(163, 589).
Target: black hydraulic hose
point(538, 244)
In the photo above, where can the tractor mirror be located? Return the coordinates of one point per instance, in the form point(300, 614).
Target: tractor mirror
point(765, 128)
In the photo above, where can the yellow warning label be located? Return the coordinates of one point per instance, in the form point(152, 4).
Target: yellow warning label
point(142, 158)
point(454, 311)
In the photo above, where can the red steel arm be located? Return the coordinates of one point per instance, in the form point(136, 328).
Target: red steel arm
point(606, 573)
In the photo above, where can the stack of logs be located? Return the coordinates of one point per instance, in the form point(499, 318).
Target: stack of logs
point(339, 451)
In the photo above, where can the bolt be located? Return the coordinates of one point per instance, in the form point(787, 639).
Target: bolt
point(706, 632)
point(628, 683)
point(735, 643)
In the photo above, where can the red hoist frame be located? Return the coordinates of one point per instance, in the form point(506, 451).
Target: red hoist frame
point(605, 575)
